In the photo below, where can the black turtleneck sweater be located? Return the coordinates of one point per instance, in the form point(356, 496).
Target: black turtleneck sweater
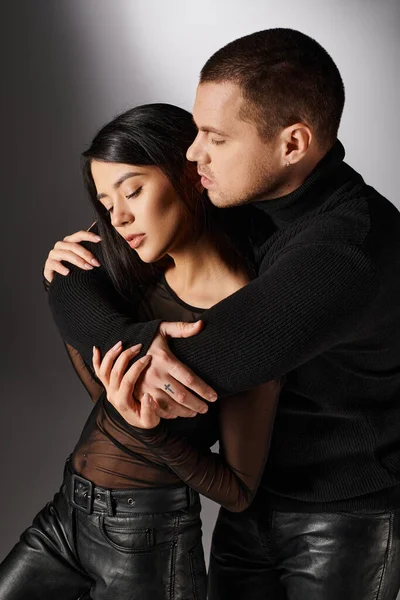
point(324, 310)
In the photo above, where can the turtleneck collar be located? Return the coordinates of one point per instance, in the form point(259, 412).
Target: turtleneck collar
point(286, 209)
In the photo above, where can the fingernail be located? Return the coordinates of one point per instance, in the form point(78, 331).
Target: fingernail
point(97, 238)
point(145, 359)
point(65, 271)
point(117, 345)
point(136, 348)
point(88, 266)
point(95, 262)
point(94, 348)
point(213, 397)
point(204, 410)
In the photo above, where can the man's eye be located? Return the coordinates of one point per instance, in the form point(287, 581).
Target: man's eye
point(134, 194)
point(217, 142)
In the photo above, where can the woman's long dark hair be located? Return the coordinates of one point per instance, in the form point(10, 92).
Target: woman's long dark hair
point(159, 135)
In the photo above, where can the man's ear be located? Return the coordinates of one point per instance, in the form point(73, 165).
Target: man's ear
point(193, 176)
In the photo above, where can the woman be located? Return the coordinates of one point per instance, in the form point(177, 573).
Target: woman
point(126, 521)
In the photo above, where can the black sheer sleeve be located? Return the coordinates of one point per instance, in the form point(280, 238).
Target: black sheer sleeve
point(93, 387)
point(231, 477)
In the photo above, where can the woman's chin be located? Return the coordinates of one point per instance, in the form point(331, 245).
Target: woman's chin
point(147, 257)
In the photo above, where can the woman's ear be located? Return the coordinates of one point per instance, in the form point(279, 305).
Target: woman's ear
point(193, 176)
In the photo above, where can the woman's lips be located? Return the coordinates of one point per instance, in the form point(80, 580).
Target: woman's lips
point(135, 240)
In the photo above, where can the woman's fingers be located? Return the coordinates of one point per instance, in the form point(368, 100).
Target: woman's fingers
point(70, 250)
point(53, 266)
point(96, 361)
point(120, 365)
point(148, 416)
point(102, 368)
point(132, 375)
point(57, 255)
point(83, 236)
point(77, 249)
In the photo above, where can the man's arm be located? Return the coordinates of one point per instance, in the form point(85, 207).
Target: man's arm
point(303, 304)
point(310, 299)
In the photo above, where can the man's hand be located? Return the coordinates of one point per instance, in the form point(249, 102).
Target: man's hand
point(170, 382)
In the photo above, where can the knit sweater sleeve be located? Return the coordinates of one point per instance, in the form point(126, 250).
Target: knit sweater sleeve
point(231, 477)
point(310, 299)
point(302, 304)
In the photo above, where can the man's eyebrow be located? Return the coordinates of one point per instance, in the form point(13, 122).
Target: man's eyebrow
point(207, 129)
point(213, 130)
point(119, 182)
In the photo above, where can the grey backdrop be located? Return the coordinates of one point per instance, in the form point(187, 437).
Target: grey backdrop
point(69, 66)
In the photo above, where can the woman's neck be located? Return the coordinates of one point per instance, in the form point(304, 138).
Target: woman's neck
point(200, 277)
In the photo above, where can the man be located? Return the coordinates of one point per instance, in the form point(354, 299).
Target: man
point(324, 311)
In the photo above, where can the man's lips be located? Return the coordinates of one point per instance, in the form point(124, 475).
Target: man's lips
point(134, 240)
point(205, 181)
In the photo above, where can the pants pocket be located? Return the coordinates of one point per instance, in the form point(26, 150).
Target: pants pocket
point(127, 539)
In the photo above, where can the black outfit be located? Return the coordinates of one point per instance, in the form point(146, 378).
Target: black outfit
point(125, 545)
point(325, 311)
point(268, 554)
point(123, 525)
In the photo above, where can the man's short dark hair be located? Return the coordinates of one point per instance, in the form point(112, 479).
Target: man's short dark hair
point(286, 77)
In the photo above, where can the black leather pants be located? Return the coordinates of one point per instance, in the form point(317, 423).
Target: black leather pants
point(271, 555)
point(101, 544)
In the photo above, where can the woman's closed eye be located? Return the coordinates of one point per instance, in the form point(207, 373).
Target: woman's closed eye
point(134, 194)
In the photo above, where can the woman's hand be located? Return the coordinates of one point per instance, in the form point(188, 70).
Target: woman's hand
point(119, 384)
point(70, 250)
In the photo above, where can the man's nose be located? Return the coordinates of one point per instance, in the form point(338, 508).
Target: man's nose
point(197, 152)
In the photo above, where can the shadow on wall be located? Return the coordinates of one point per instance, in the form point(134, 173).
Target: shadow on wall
point(52, 99)
point(63, 78)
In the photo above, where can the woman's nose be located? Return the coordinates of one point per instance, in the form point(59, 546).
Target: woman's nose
point(121, 216)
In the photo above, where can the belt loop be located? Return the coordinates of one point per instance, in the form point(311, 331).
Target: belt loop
point(110, 508)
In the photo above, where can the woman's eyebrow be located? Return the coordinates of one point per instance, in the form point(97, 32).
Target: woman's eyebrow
point(120, 181)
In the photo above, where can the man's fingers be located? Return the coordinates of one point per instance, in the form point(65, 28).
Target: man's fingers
point(180, 329)
point(189, 380)
point(169, 409)
point(183, 396)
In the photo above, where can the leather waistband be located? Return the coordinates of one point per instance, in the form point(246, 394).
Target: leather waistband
point(89, 498)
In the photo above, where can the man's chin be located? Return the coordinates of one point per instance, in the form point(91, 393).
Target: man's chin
point(217, 199)
point(222, 201)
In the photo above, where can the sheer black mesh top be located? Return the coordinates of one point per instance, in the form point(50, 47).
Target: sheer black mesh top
point(113, 454)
